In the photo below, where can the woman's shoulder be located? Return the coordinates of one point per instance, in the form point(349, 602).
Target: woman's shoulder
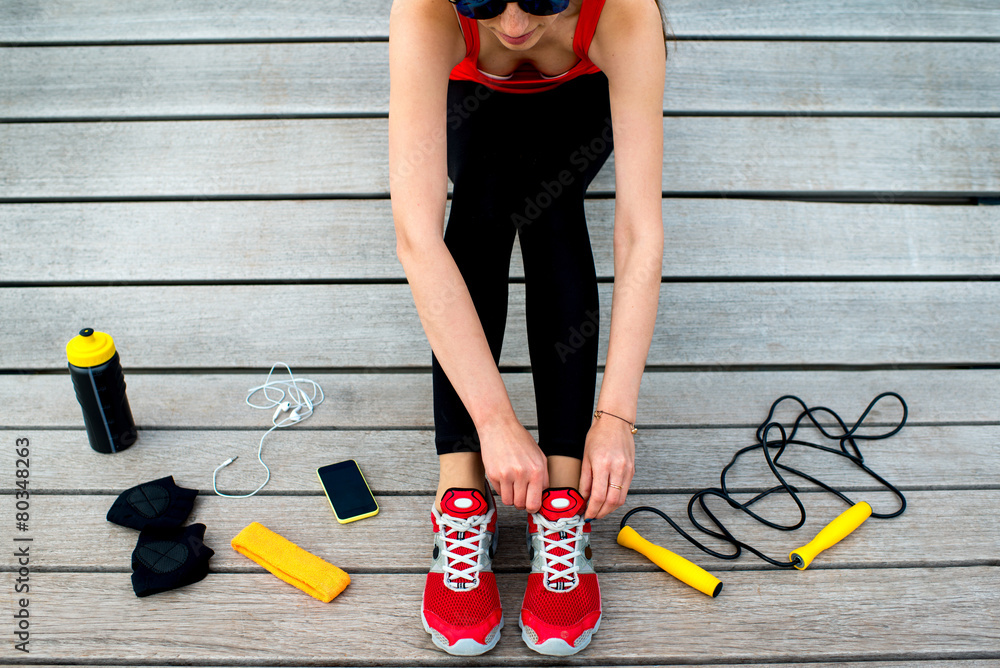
point(430, 23)
point(619, 24)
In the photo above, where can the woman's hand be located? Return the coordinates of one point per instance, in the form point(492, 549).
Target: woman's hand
point(515, 465)
point(608, 457)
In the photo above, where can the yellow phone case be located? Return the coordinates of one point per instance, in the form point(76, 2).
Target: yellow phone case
point(355, 518)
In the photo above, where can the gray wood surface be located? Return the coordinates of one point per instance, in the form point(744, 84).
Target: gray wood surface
point(858, 18)
point(77, 536)
point(118, 21)
point(231, 80)
point(389, 400)
point(404, 461)
point(355, 239)
point(960, 663)
point(716, 324)
point(274, 621)
point(884, 157)
point(208, 183)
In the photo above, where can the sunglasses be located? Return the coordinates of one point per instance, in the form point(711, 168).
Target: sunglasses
point(489, 9)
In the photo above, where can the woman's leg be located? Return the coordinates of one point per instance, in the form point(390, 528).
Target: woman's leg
point(561, 298)
point(460, 469)
point(564, 471)
point(481, 247)
point(480, 237)
point(545, 148)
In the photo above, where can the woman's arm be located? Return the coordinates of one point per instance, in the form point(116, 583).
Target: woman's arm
point(628, 47)
point(422, 51)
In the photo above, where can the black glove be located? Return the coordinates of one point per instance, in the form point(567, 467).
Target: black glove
point(157, 503)
point(166, 559)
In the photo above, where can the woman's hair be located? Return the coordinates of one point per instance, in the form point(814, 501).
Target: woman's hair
point(664, 25)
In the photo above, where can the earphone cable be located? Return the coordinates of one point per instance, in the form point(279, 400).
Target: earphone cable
point(299, 403)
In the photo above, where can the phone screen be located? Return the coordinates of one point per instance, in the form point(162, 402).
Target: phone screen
point(347, 490)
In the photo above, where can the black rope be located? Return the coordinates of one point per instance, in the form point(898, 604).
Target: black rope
point(848, 448)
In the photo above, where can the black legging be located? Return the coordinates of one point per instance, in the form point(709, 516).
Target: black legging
point(520, 163)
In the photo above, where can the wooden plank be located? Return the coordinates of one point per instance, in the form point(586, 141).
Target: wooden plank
point(823, 77)
point(887, 157)
point(840, 664)
point(962, 663)
point(858, 18)
point(379, 400)
point(703, 238)
point(77, 536)
point(227, 80)
point(314, 20)
point(221, 80)
point(258, 618)
point(681, 460)
point(715, 324)
point(120, 22)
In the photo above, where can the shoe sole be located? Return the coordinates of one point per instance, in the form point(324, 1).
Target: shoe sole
point(464, 646)
point(557, 646)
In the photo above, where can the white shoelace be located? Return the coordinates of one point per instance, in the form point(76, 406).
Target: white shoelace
point(458, 578)
point(572, 529)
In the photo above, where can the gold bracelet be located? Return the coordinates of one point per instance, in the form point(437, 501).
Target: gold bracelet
point(598, 414)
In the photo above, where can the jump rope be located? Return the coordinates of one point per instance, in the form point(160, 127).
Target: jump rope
point(692, 574)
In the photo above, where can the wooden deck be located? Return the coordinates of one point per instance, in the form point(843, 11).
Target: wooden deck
point(208, 183)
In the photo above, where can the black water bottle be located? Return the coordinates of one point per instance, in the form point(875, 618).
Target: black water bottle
point(100, 388)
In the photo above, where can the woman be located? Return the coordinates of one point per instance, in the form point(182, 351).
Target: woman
point(515, 102)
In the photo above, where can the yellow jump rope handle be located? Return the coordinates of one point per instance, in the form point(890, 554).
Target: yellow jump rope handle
point(682, 569)
point(832, 533)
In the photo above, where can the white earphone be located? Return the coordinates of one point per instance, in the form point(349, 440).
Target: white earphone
point(282, 407)
point(300, 403)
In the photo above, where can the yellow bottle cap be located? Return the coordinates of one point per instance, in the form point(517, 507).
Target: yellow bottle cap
point(90, 348)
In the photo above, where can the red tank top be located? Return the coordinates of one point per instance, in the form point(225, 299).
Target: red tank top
point(527, 79)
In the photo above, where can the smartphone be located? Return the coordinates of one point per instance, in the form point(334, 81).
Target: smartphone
point(347, 491)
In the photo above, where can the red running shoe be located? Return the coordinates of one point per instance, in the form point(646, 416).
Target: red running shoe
point(461, 604)
point(561, 611)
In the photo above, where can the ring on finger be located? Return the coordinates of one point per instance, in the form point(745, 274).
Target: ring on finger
point(611, 484)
